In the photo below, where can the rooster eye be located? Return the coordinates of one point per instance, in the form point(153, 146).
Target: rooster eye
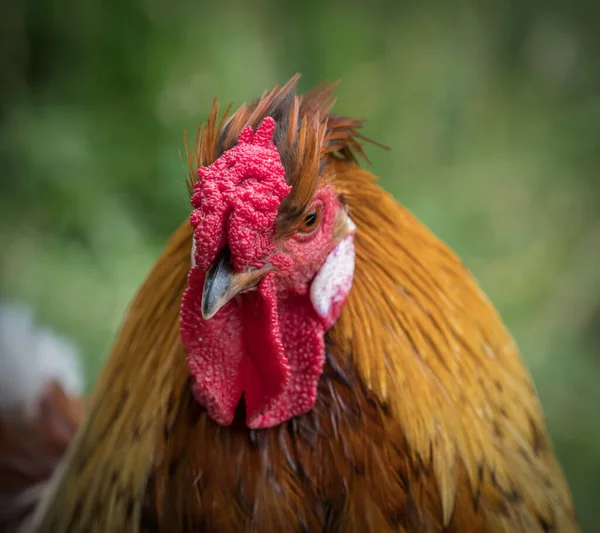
point(311, 220)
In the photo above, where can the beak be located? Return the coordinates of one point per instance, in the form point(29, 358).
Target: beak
point(221, 283)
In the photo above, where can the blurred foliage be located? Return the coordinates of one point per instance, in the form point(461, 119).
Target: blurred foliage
point(492, 112)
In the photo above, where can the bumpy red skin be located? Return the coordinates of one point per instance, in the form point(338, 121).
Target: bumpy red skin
point(236, 200)
point(267, 344)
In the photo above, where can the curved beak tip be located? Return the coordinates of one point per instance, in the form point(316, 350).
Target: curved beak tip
point(208, 309)
point(217, 285)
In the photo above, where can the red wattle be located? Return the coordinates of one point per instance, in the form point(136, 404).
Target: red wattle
point(216, 356)
point(267, 368)
point(302, 334)
point(268, 347)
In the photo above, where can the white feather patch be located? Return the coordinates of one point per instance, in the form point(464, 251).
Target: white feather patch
point(333, 281)
point(31, 357)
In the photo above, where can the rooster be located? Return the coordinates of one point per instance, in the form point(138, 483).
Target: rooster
point(307, 356)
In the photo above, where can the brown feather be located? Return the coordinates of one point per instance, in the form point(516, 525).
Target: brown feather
point(426, 419)
point(306, 133)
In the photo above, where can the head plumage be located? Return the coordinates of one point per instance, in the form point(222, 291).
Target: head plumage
point(305, 135)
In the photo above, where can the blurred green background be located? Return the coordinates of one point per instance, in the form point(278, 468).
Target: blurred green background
point(492, 112)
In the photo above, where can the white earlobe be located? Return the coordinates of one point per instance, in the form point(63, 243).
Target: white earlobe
point(333, 281)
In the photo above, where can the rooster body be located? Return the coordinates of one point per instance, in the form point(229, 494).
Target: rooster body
point(424, 418)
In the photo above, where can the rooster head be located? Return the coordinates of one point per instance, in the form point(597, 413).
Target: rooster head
point(272, 258)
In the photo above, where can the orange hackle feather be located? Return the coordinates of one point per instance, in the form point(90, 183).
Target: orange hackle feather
point(426, 419)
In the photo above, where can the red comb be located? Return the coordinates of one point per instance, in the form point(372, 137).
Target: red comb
point(237, 198)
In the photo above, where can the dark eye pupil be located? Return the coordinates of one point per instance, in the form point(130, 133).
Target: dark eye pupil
point(310, 219)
